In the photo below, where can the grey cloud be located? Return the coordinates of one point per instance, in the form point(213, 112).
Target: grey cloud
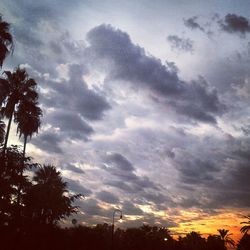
point(76, 187)
point(170, 154)
point(27, 37)
point(73, 168)
point(193, 24)
point(152, 219)
point(66, 49)
point(49, 142)
point(233, 23)
point(246, 130)
point(71, 124)
point(180, 44)
point(189, 202)
point(107, 197)
point(118, 166)
point(130, 64)
point(233, 190)
point(130, 61)
point(91, 208)
point(197, 171)
point(56, 47)
point(156, 198)
point(199, 102)
point(217, 180)
point(118, 161)
point(75, 95)
point(129, 208)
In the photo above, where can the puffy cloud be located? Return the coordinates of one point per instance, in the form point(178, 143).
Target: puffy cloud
point(180, 44)
point(130, 64)
point(193, 24)
point(233, 23)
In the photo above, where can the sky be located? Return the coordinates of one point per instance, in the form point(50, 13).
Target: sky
point(145, 106)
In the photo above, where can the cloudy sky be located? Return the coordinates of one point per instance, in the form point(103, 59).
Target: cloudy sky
point(146, 105)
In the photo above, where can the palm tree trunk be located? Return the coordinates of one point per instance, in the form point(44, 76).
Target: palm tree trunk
point(7, 133)
point(20, 186)
point(24, 146)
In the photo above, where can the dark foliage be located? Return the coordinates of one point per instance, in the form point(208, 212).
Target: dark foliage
point(6, 40)
point(244, 243)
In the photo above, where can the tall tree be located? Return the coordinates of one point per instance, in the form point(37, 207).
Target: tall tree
point(48, 200)
point(246, 228)
point(15, 89)
point(28, 119)
point(225, 237)
point(12, 165)
point(6, 41)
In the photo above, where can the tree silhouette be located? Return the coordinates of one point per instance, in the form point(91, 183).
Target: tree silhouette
point(225, 237)
point(12, 165)
point(246, 228)
point(214, 242)
point(6, 41)
point(28, 120)
point(244, 243)
point(16, 88)
point(48, 200)
point(192, 241)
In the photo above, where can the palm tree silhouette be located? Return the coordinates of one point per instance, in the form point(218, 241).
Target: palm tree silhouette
point(6, 41)
point(225, 237)
point(246, 228)
point(28, 120)
point(48, 200)
point(16, 88)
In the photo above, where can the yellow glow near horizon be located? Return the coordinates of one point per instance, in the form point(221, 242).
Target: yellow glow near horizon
point(209, 224)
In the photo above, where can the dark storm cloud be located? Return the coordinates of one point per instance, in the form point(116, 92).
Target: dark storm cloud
point(130, 64)
point(192, 23)
point(48, 142)
point(180, 44)
point(71, 124)
point(107, 197)
point(233, 23)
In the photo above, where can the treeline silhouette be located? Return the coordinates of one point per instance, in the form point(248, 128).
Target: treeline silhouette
point(46, 237)
point(34, 198)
